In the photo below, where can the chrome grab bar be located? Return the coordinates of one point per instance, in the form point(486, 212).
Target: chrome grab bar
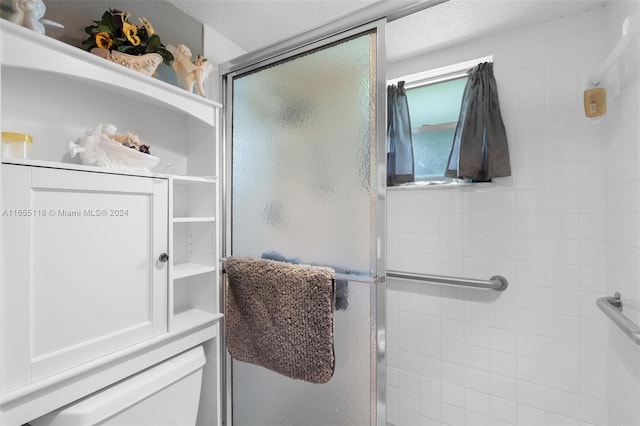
point(612, 307)
point(497, 282)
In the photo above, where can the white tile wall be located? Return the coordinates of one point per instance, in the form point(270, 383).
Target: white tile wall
point(623, 225)
point(564, 229)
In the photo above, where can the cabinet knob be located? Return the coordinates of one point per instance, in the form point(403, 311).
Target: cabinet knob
point(164, 257)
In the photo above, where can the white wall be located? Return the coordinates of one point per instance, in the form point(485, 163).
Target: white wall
point(537, 353)
point(623, 160)
point(219, 49)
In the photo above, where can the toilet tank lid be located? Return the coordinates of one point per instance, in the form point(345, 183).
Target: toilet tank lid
point(126, 393)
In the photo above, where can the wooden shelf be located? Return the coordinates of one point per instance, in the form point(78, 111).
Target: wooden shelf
point(184, 270)
point(193, 318)
point(23, 48)
point(79, 167)
point(194, 219)
point(187, 180)
point(177, 179)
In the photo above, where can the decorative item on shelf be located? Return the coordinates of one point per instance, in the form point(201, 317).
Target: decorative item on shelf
point(29, 14)
point(190, 73)
point(104, 147)
point(119, 41)
point(146, 64)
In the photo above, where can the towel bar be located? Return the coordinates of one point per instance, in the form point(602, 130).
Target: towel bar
point(497, 282)
point(356, 278)
point(612, 307)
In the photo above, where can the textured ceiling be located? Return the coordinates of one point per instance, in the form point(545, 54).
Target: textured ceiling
point(459, 20)
point(252, 24)
point(255, 24)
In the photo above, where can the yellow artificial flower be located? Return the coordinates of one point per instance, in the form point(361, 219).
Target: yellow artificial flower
point(131, 31)
point(147, 25)
point(103, 40)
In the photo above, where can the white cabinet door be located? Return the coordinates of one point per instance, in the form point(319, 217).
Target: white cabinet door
point(82, 274)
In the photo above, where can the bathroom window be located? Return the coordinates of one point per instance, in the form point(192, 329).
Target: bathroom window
point(434, 99)
point(434, 109)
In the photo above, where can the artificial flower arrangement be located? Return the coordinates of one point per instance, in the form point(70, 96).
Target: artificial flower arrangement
point(115, 32)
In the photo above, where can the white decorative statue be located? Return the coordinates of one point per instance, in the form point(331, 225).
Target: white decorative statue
point(29, 13)
point(190, 73)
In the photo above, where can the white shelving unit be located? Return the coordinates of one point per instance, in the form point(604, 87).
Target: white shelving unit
point(194, 233)
point(56, 92)
point(194, 219)
point(186, 270)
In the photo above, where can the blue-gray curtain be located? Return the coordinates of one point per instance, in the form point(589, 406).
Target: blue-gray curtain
point(480, 150)
point(399, 143)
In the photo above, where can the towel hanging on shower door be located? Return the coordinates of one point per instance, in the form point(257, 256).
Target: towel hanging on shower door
point(280, 316)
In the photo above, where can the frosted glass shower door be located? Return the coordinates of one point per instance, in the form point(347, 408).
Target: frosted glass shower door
point(303, 171)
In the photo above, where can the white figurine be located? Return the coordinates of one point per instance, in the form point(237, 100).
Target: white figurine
point(100, 147)
point(190, 73)
point(29, 14)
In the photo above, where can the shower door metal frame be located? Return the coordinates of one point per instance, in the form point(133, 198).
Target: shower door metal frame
point(378, 243)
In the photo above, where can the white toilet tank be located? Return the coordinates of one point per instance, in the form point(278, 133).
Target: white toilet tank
point(166, 394)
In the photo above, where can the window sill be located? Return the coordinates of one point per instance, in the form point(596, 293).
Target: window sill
point(428, 185)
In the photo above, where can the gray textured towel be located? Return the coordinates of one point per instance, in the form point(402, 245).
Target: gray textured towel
point(280, 316)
